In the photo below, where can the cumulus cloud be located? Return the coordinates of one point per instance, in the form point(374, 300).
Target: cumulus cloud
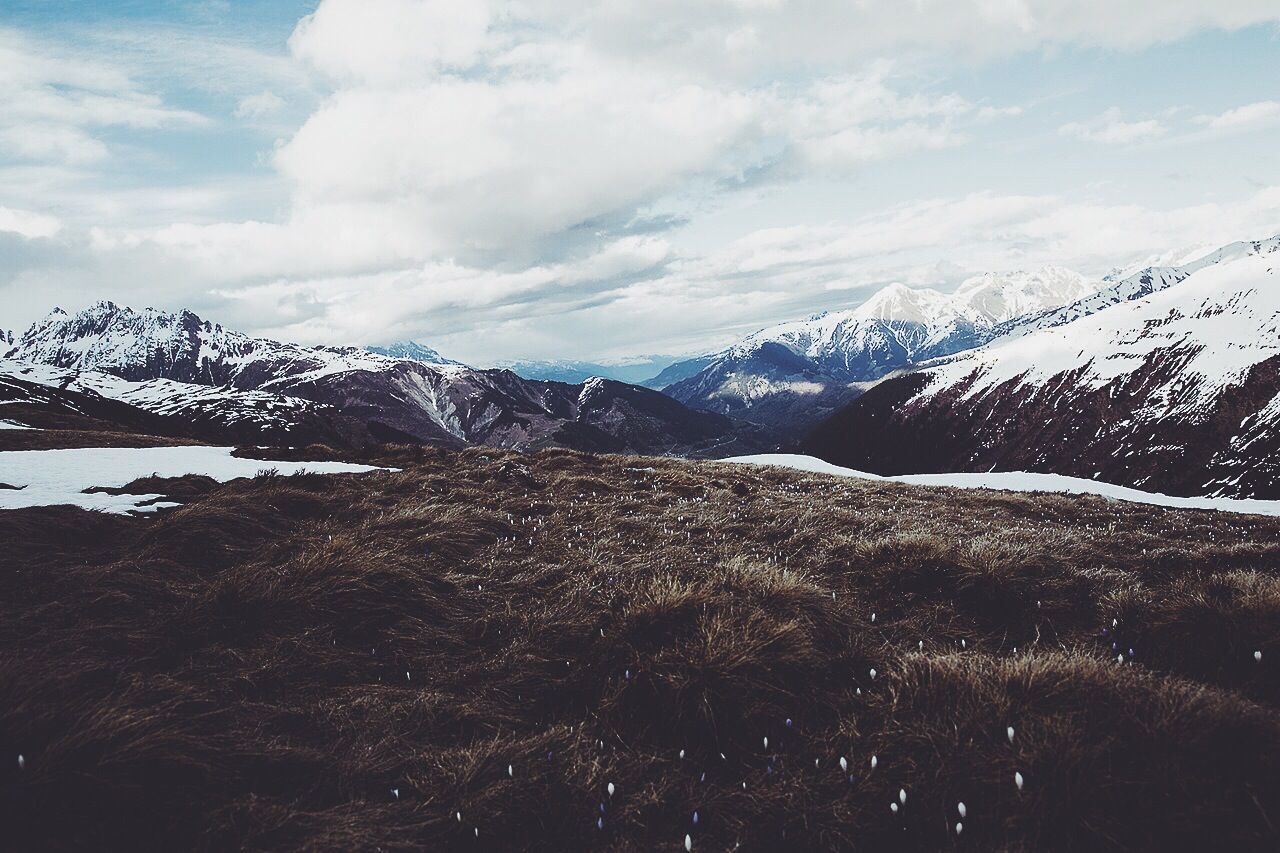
point(391, 41)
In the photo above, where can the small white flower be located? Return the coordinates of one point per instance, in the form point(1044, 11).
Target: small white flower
point(844, 764)
point(766, 742)
point(962, 810)
point(1017, 778)
point(902, 796)
point(873, 673)
point(893, 807)
point(688, 841)
point(511, 771)
point(459, 817)
point(1009, 733)
point(22, 762)
point(610, 789)
point(874, 762)
point(682, 755)
point(1257, 656)
point(959, 827)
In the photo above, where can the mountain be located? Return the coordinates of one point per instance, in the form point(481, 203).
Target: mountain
point(634, 371)
point(1168, 380)
point(400, 397)
point(178, 409)
point(836, 353)
point(413, 351)
point(6, 338)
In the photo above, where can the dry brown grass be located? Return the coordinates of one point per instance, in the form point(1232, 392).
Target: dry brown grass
point(347, 663)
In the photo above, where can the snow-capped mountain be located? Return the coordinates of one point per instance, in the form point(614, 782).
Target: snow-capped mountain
point(413, 351)
point(634, 371)
point(6, 338)
point(401, 398)
point(1168, 380)
point(836, 353)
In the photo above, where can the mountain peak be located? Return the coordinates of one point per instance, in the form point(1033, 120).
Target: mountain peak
point(413, 351)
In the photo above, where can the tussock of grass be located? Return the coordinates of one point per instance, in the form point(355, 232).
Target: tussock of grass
point(348, 663)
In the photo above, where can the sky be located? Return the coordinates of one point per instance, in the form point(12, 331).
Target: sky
point(559, 179)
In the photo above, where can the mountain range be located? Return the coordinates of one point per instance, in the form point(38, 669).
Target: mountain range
point(1165, 379)
point(171, 361)
point(1168, 380)
point(792, 375)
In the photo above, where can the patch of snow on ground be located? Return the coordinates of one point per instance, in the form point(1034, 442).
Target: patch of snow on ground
point(1018, 481)
point(12, 425)
point(55, 477)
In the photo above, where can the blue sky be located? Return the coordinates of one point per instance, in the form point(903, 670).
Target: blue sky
point(559, 179)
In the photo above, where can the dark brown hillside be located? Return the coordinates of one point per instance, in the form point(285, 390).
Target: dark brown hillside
point(1059, 427)
point(468, 654)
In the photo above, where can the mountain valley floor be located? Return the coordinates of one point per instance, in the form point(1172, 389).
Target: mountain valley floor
point(557, 651)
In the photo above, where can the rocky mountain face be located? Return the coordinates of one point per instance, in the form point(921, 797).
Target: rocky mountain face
point(832, 356)
point(179, 409)
point(445, 403)
point(1168, 380)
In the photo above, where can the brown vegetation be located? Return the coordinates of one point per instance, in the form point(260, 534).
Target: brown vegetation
point(353, 662)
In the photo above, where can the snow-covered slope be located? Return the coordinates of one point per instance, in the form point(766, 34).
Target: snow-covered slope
point(837, 351)
point(1168, 380)
point(395, 398)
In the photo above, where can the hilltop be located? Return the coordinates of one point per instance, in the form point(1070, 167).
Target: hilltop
point(489, 650)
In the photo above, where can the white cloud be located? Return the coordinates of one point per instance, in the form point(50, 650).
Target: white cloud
point(28, 224)
point(642, 294)
point(1247, 117)
point(1110, 128)
point(486, 174)
point(389, 41)
point(259, 105)
point(51, 104)
point(733, 37)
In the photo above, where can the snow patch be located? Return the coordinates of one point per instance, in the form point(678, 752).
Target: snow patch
point(56, 477)
point(1017, 481)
